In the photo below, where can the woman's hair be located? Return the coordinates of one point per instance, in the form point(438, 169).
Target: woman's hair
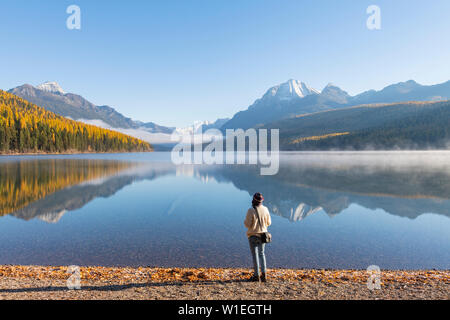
point(257, 199)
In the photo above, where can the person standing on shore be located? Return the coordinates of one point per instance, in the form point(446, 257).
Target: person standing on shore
point(256, 221)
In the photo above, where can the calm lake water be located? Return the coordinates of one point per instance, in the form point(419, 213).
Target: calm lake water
point(329, 210)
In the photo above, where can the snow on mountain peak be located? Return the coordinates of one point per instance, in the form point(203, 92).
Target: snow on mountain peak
point(201, 127)
point(290, 90)
point(193, 129)
point(51, 86)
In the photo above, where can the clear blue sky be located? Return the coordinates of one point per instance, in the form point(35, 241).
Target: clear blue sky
point(173, 62)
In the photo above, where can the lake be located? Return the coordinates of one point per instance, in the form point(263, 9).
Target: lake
point(329, 210)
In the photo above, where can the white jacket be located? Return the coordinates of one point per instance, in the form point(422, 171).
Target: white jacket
point(251, 221)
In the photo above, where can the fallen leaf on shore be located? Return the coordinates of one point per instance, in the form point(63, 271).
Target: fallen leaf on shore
point(141, 274)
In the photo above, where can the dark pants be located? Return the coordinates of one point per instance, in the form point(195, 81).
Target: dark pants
point(257, 250)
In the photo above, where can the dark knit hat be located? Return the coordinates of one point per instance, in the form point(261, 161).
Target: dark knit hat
point(258, 197)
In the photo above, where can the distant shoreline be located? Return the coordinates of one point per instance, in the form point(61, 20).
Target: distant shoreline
point(37, 282)
point(66, 153)
point(280, 151)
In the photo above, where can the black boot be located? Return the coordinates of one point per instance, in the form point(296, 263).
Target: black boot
point(263, 277)
point(254, 278)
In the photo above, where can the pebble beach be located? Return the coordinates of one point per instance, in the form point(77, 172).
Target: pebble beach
point(103, 283)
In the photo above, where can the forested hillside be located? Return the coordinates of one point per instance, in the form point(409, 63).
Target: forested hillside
point(410, 125)
point(25, 127)
point(296, 98)
point(76, 107)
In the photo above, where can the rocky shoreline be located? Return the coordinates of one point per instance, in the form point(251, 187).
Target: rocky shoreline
point(50, 283)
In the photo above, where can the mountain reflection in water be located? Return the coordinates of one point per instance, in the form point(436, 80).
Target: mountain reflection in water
point(330, 210)
point(47, 189)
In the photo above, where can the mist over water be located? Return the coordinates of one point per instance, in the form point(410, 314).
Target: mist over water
point(329, 209)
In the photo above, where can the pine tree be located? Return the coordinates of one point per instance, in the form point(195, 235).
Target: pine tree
point(25, 127)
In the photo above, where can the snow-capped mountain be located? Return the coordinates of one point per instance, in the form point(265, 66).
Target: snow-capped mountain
point(293, 98)
point(291, 89)
point(193, 129)
point(201, 126)
point(51, 86)
point(52, 97)
point(281, 101)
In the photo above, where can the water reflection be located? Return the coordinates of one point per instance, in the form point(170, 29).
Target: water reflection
point(47, 189)
point(302, 188)
point(113, 211)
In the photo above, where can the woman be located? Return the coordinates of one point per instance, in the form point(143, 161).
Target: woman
point(255, 229)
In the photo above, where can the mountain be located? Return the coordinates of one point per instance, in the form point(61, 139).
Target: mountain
point(152, 127)
point(52, 87)
point(292, 89)
point(332, 93)
point(201, 126)
point(294, 98)
point(214, 125)
point(285, 100)
point(25, 127)
point(52, 97)
point(410, 125)
point(405, 91)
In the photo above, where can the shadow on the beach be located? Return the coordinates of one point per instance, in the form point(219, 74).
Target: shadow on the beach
point(119, 287)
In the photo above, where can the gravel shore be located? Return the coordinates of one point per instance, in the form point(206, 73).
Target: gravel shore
point(44, 283)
